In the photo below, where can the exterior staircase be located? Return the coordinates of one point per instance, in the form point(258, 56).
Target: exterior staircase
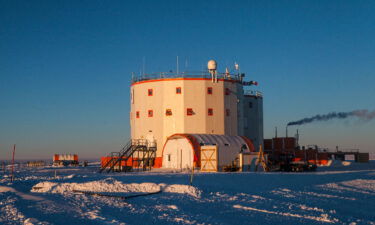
point(141, 153)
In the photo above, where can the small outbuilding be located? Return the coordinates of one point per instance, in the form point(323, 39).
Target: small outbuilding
point(209, 152)
point(65, 159)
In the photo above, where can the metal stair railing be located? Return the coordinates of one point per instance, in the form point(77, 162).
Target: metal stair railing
point(125, 155)
point(111, 161)
point(126, 152)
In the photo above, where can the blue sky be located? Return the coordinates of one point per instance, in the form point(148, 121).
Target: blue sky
point(65, 66)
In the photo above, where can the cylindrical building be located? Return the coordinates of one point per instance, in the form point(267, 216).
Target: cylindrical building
point(208, 102)
point(253, 116)
point(183, 103)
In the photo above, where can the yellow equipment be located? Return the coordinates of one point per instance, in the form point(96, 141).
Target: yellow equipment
point(261, 160)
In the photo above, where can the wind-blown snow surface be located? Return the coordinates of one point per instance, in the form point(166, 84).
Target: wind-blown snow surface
point(340, 194)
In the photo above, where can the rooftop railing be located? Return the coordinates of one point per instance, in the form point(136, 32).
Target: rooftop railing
point(253, 93)
point(168, 75)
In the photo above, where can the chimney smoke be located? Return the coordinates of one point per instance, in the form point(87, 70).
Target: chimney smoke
point(363, 114)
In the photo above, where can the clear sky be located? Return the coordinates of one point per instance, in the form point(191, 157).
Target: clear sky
point(65, 66)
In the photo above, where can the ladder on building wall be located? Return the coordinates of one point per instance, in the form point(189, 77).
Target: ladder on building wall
point(134, 147)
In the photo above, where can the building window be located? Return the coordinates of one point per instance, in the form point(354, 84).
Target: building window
point(168, 112)
point(227, 91)
point(169, 157)
point(178, 90)
point(227, 112)
point(209, 90)
point(189, 111)
point(150, 113)
point(250, 105)
point(137, 114)
point(150, 92)
point(210, 112)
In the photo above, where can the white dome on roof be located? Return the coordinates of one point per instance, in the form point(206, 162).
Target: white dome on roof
point(211, 65)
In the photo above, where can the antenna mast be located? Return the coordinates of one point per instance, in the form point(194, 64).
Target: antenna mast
point(177, 65)
point(14, 151)
point(143, 64)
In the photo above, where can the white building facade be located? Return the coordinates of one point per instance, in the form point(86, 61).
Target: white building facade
point(165, 104)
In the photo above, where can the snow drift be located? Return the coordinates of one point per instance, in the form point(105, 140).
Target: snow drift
point(113, 186)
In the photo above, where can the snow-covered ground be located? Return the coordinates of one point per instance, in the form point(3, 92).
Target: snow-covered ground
point(338, 194)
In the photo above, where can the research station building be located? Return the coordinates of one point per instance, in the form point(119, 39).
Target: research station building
point(198, 109)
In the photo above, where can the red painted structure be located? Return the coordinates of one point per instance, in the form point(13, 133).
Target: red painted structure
point(281, 143)
point(129, 162)
point(65, 159)
point(276, 147)
point(158, 161)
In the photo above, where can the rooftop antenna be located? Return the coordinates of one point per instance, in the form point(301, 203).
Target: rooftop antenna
point(143, 64)
point(227, 74)
point(177, 65)
point(297, 138)
point(237, 67)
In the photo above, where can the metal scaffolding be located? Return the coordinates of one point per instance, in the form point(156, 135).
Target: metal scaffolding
point(137, 153)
